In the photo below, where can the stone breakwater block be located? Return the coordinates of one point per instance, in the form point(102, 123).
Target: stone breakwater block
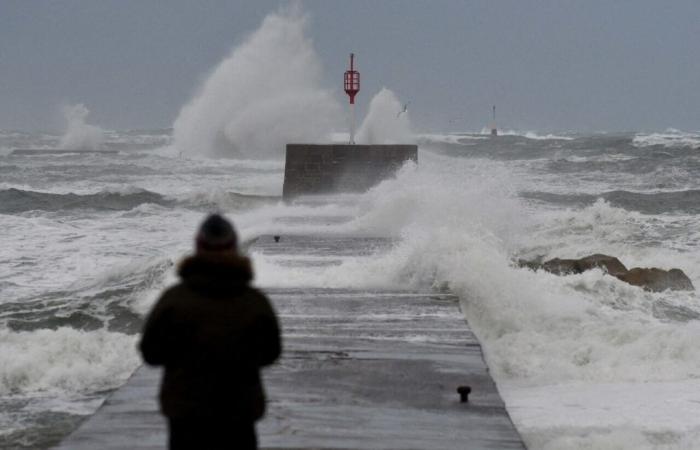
point(318, 169)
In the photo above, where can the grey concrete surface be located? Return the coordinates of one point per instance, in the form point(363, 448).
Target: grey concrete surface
point(360, 370)
point(57, 151)
point(318, 169)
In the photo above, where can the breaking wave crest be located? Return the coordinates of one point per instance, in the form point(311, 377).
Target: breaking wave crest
point(266, 93)
point(65, 360)
point(669, 139)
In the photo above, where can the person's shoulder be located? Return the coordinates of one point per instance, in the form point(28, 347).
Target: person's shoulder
point(258, 297)
point(173, 290)
point(174, 293)
point(253, 291)
point(256, 294)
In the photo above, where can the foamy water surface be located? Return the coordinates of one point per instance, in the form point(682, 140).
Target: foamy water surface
point(582, 361)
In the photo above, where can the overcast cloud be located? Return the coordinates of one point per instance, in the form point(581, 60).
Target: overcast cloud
point(547, 64)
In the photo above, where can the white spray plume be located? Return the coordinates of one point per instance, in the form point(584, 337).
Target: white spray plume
point(79, 135)
point(266, 93)
point(387, 121)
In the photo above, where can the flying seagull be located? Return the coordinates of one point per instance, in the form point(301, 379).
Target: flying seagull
point(405, 109)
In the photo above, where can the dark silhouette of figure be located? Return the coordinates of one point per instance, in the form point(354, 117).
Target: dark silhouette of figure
point(212, 332)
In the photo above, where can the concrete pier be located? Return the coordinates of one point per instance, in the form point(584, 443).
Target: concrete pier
point(361, 369)
point(313, 169)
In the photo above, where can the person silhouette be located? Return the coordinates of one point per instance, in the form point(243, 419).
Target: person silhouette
point(212, 332)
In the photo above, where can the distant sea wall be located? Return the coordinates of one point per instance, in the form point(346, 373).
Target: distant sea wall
point(316, 169)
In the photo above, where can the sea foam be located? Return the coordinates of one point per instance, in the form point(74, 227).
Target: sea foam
point(459, 225)
point(65, 360)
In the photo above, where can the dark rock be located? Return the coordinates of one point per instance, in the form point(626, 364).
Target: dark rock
point(532, 265)
point(651, 279)
point(561, 266)
point(657, 280)
point(610, 264)
point(558, 266)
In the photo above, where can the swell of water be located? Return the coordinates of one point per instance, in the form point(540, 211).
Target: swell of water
point(670, 138)
point(686, 201)
point(14, 201)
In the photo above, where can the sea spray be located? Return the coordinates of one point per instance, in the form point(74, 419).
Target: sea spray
point(561, 348)
point(387, 121)
point(266, 93)
point(461, 226)
point(455, 200)
point(79, 135)
point(584, 340)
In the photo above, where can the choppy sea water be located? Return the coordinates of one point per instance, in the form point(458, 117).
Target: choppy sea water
point(582, 361)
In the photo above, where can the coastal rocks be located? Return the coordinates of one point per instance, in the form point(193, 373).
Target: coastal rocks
point(650, 279)
point(657, 280)
point(558, 266)
point(609, 264)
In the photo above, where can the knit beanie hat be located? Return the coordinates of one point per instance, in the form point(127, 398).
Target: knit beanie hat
point(216, 234)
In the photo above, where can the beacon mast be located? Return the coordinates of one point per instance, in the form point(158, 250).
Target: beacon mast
point(494, 130)
point(351, 83)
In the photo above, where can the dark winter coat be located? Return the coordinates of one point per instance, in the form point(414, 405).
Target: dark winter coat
point(212, 332)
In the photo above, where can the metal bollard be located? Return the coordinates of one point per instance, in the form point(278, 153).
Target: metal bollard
point(464, 392)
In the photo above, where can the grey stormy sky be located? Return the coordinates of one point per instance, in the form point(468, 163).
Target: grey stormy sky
point(548, 64)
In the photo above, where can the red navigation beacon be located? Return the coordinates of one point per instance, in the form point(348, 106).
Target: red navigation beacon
point(351, 84)
point(352, 80)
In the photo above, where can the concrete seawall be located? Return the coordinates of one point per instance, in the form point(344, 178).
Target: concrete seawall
point(316, 169)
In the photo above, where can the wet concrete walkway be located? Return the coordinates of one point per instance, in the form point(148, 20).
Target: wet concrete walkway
point(360, 370)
